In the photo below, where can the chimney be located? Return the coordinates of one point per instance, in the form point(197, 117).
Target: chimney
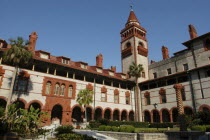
point(32, 40)
point(192, 32)
point(113, 68)
point(99, 60)
point(165, 52)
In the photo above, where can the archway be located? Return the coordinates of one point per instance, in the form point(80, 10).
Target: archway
point(147, 117)
point(98, 114)
point(124, 116)
point(3, 103)
point(89, 114)
point(165, 115)
point(35, 106)
point(188, 111)
point(56, 115)
point(205, 109)
point(107, 114)
point(131, 116)
point(175, 114)
point(116, 115)
point(156, 116)
point(77, 114)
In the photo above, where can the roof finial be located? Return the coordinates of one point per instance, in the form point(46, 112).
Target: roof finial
point(131, 7)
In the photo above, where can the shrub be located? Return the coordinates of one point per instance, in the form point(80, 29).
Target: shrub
point(101, 128)
point(130, 129)
point(94, 124)
point(203, 116)
point(115, 128)
point(104, 122)
point(122, 129)
point(64, 129)
point(208, 128)
point(108, 128)
point(74, 136)
point(199, 128)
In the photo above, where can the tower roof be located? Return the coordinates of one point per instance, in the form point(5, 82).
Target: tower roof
point(132, 17)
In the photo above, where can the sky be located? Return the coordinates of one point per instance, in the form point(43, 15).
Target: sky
point(82, 29)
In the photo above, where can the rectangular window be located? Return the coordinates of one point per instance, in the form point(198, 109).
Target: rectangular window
point(43, 55)
point(143, 75)
point(103, 97)
point(155, 75)
point(169, 71)
point(21, 84)
point(64, 61)
point(185, 66)
point(116, 98)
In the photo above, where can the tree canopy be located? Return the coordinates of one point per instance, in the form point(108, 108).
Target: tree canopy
point(85, 97)
point(135, 70)
point(18, 54)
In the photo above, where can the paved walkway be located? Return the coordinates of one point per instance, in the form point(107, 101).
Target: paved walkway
point(94, 134)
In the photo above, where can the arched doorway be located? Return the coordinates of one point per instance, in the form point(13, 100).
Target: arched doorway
point(147, 117)
point(116, 115)
point(205, 109)
point(56, 115)
point(156, 116)
point(175, 114)
point(131, 116)
point(188, 111)
point(3, 103)
point(165, 115)
point(124, 116)
point(20, 104)
point(89, 114)
point(35, 106)
point(107, 114)
point(77, 114)
point(98, 114)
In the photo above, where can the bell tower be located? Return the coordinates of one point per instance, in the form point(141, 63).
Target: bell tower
point(134, 46)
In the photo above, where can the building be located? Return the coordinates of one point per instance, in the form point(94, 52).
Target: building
point(51, 83)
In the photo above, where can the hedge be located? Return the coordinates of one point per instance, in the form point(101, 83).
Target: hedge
point(74, 136)
point(162, 125)
point(96, 124)
point(199, 128)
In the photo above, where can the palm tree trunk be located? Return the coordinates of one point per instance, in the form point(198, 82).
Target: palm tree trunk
point(11, 90)
point(139, 111)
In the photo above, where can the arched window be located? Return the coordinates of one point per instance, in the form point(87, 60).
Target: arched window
point(147, 98)
point(116, 98)
point(62, 89)
point(143, 75)
point(127, 97)
point(48, 88)
point(70, 92)
point(141, 44)
point(103, 97)
point(57, 89)
point(128, 45)
point(162, 93)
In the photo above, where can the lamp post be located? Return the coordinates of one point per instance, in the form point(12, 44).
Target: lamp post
point(156, 117)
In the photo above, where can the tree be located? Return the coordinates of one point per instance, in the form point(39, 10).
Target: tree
point(85, 97)
point(16, 56)
point(135, 71)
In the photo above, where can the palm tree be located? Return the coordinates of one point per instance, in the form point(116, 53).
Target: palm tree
point(85, 97)
point(135, 71)
point(16, 56)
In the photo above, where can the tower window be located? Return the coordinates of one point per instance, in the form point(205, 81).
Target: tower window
point(128, 45)
point(143, 75)
point(155, 75)
point(169, 71)
point(141, 44)
point(183, 94)
point(185, 66)
point(207, 44)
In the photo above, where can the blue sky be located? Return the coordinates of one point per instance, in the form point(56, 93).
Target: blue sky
point(81, 29)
